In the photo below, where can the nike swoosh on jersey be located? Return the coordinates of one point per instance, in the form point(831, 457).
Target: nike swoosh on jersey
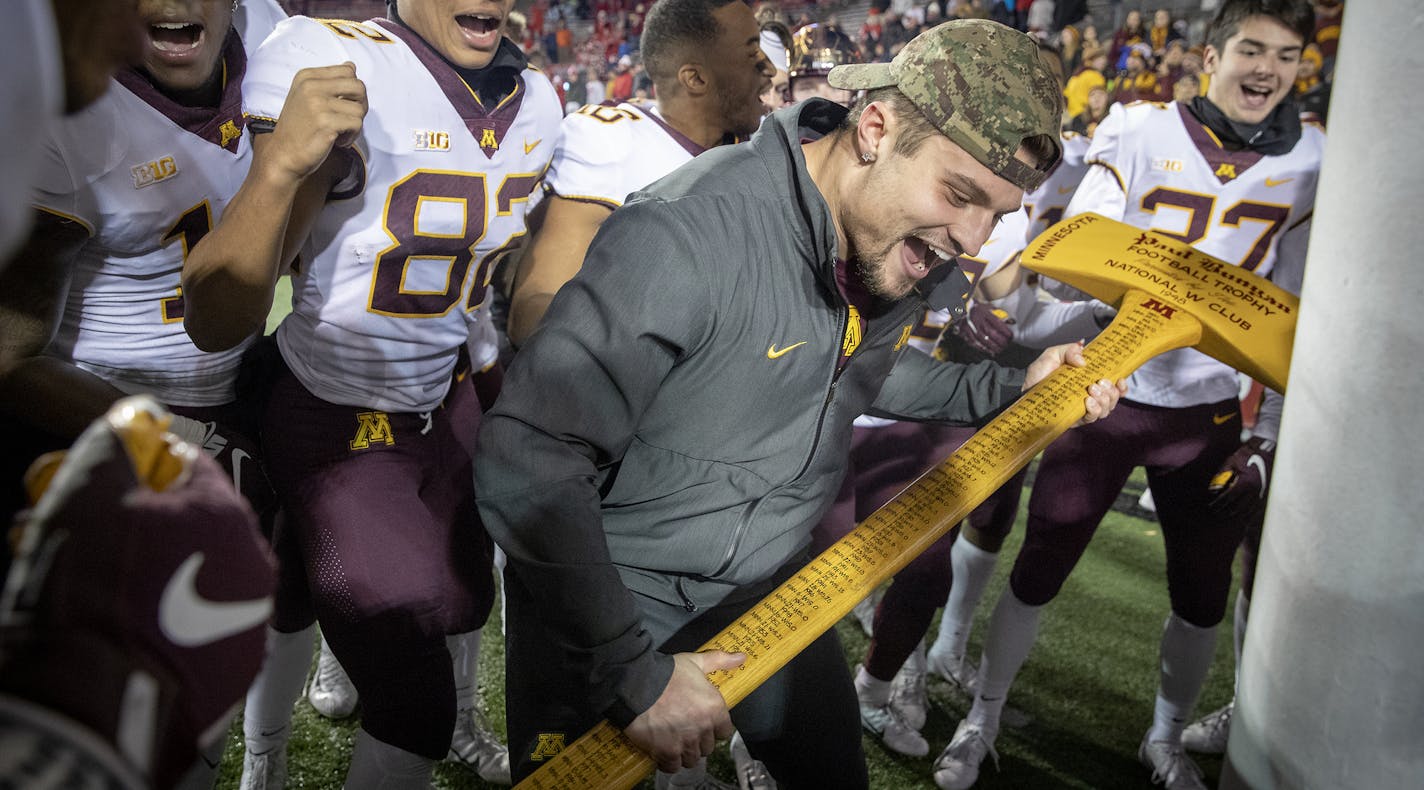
point(190, 620)
point(1273, 182)
point(1260, 464)
point(528, 146)
point(1221, 419)
point(772, 352)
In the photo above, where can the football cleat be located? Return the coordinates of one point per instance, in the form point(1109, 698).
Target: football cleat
point(330, 690)
point(475, 746)
point(1208, 735)
point(751, 772)
point(266, 771)
point(908, 695)
point(1171, 767)
point(884, 723)
point(957, 767)
point(960, 673)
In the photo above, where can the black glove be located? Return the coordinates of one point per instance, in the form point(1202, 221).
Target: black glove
point(985, 329)
point(1239, 489)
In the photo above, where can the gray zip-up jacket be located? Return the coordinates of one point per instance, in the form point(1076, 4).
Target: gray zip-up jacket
point(677, 424)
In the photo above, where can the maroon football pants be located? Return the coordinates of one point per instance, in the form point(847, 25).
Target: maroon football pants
point(379, 510)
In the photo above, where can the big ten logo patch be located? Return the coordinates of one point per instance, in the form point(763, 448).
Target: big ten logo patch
point(150, 173)
point(432, 140)
point(372, 427)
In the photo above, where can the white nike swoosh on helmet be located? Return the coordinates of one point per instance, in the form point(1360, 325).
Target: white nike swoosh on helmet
point(1260, 464)
point(190, 620)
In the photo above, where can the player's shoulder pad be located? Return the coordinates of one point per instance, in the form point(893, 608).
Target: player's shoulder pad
point(254, 21)
point(297, 43)
point(1075, 147)
point(601, 134)
point(541, 92)
point(1123, 120)
point(93, 141)
point(304, 42)
point(1145, 109)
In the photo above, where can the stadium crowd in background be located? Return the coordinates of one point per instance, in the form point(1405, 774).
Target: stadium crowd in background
point(590, 50)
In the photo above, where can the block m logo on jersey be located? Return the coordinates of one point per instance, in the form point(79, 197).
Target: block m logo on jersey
point(372, 427)
point(488, 141)
point(1157, 307)
point(550, 744)
point(230, 132)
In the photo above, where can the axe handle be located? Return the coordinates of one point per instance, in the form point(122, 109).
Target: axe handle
point(811, 602)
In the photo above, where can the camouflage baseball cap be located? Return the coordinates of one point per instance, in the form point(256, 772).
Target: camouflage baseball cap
point(979, 82)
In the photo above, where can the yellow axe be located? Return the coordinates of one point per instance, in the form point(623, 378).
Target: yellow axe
point(1168, 296)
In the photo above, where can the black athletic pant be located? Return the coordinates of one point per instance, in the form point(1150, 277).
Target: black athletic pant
point(803, 722)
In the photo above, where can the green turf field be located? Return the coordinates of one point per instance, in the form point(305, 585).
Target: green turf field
point(1087, 687)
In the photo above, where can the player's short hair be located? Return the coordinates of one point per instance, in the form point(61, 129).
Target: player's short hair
point(1298, 15)
point(915, 128)
point(671, 28)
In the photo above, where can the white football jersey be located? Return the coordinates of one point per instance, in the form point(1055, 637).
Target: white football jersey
point(1155, 166)
point(148, 178)
point(32, 90)
point(607, 152)
point(1045, 205)
point(398, 260)
point(1007, 241)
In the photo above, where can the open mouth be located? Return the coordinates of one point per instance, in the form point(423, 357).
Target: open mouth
point(480, 30)
point(919, 256)
point(1256, 96)
point(175, 39)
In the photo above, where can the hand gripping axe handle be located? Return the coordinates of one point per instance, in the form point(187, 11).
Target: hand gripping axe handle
point(1168, 296)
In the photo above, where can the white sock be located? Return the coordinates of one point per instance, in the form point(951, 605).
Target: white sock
point(500, 561)
point(376, 765)
point(1238, 630)
point(871, 690)
point(1013, 629)
point(972, 568)
point(267, 718)
point(465, 660)
point(1187, 651)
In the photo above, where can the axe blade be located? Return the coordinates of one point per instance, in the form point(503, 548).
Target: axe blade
point(1247, 321)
